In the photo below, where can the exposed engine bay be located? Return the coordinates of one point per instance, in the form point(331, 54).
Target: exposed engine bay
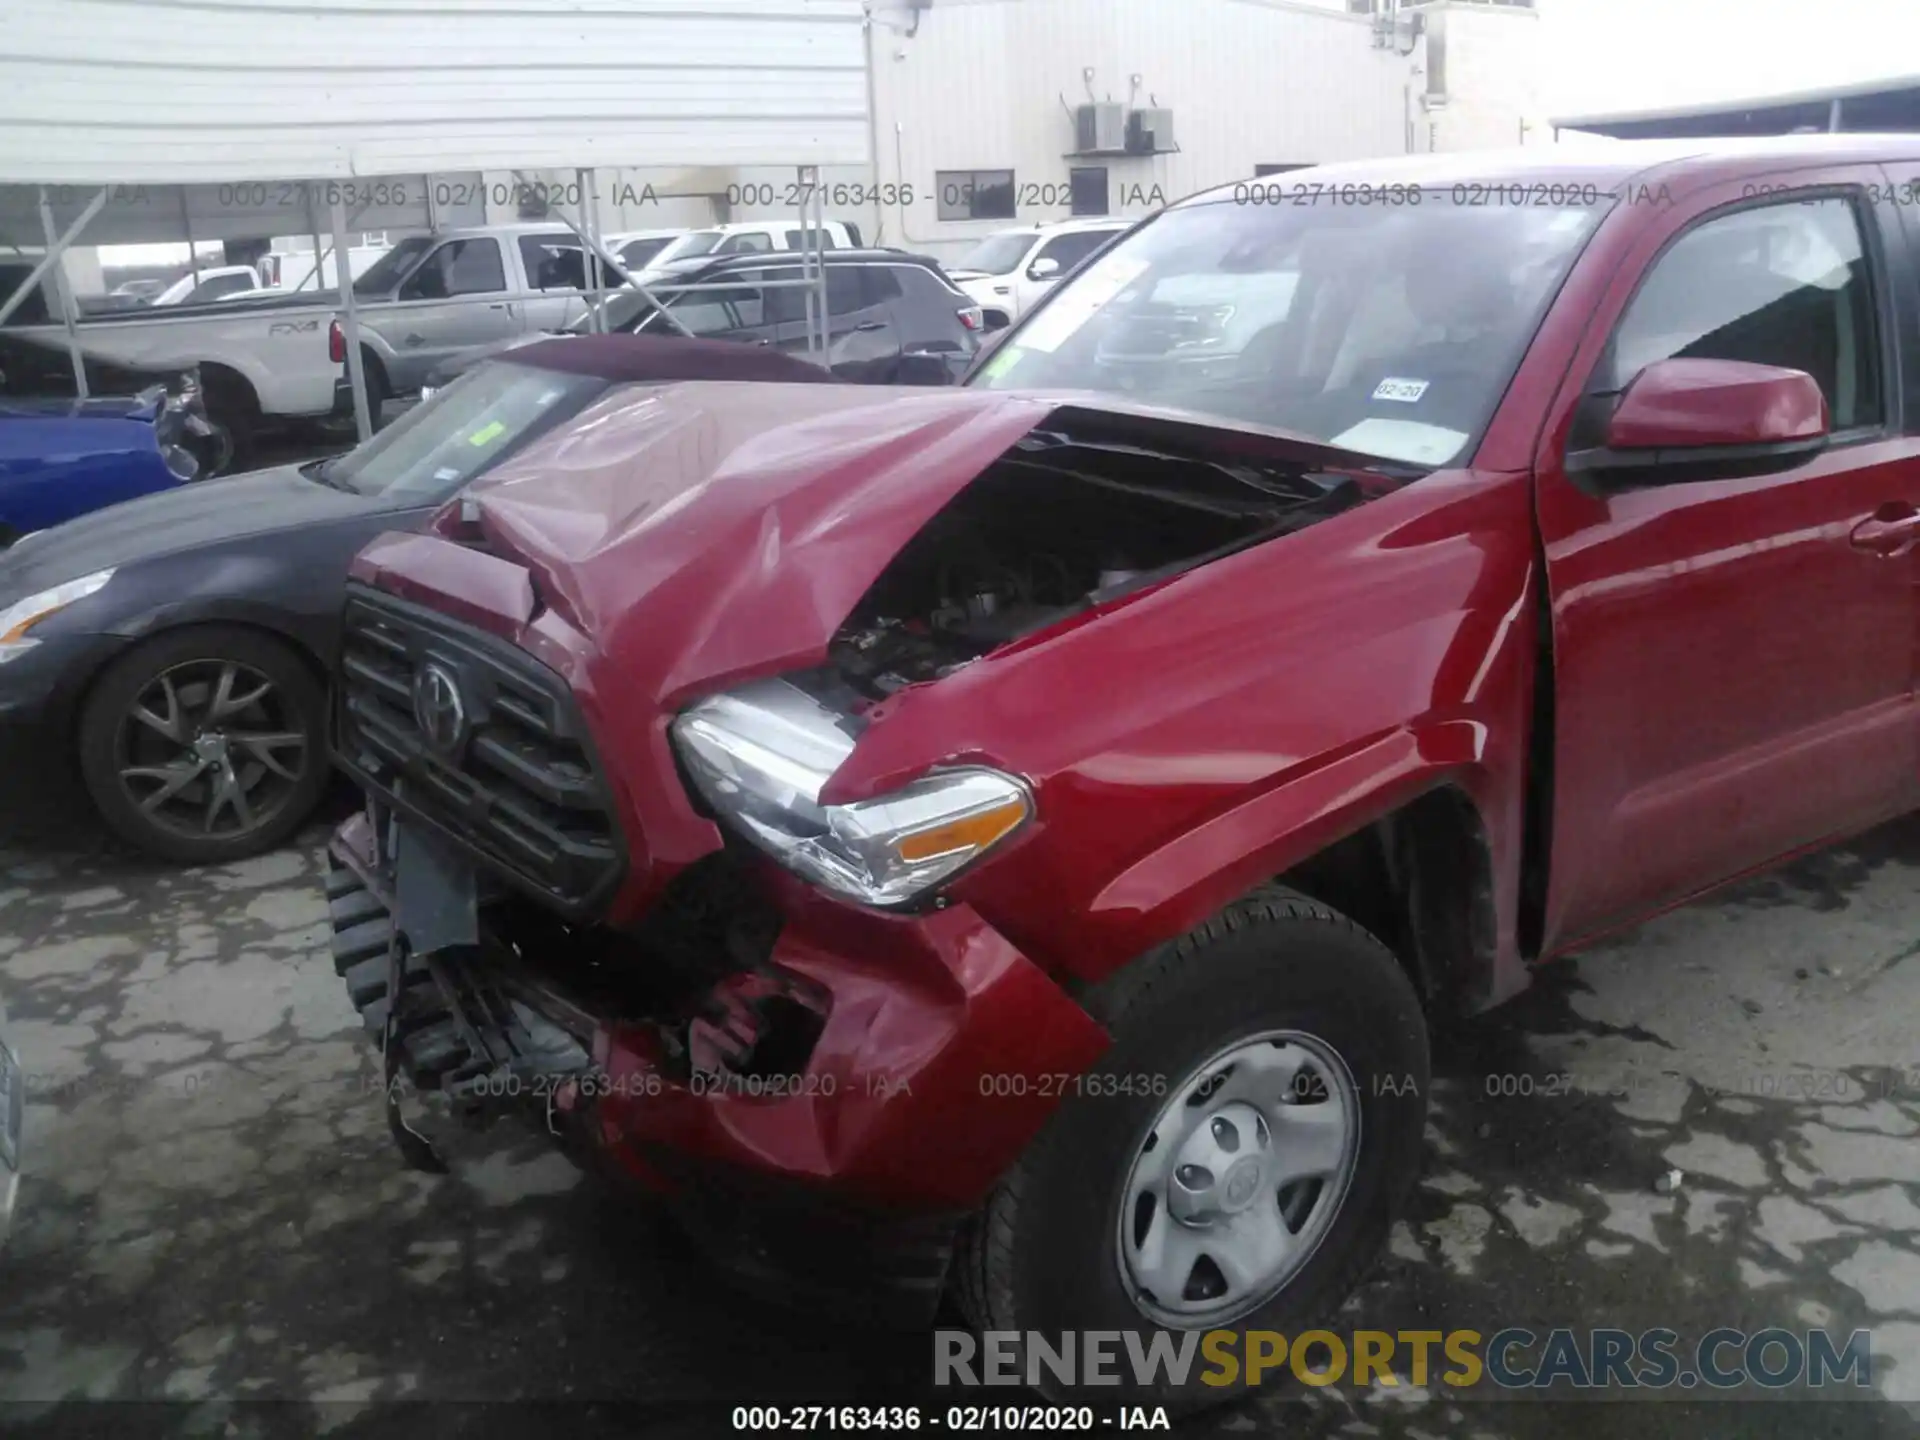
point(1070, 518)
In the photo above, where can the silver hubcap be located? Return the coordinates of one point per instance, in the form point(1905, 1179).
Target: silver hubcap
point(1238, 1179)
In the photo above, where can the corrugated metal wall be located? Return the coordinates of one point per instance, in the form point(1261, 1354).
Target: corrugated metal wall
point(160, 91)
point(988, 84)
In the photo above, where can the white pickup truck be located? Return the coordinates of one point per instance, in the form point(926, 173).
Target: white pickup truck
point(265, 362)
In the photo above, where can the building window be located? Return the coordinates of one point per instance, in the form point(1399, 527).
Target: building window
point(1260, 170)
point(974, 194)
point(1089, 184)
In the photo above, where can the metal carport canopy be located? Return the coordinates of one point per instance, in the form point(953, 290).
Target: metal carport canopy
point(1873, 106)
point(131, 120)
point(157, 92)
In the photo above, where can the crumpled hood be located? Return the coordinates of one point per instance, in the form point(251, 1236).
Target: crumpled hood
point(676, 540)
point(705, 530)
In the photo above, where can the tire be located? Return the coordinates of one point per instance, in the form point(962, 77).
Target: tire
point(1047, 1251)
point(232, 405)
point(126, 762)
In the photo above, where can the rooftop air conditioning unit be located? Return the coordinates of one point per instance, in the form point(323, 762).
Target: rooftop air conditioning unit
point(1100, 129)
point(1149, 132)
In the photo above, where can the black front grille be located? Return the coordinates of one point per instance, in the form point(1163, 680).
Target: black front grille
point(514, 782)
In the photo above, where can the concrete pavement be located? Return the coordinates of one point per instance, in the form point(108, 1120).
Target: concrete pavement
point(214, 1220)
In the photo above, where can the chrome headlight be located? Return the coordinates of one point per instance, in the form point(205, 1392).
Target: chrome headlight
point(17, 619)
point(761, 755)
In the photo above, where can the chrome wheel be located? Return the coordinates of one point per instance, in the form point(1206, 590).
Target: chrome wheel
point(1237, 1180)
point(211, 749)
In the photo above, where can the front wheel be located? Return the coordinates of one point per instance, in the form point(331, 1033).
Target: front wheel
point(1238, 1156)
point(205, 745)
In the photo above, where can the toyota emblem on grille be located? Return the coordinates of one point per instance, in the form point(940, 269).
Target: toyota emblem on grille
point(438, 708)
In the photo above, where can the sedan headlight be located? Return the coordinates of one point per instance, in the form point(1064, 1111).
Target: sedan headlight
point(761, 755)
point(19, 618)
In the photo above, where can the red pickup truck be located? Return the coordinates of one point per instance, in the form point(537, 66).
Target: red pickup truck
point(1014, 838)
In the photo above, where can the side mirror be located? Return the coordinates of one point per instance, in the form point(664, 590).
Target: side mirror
point(1044, 268)
point(1708, 419)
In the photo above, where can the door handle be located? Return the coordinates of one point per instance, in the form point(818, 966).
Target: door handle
point(871, 325)
point(1891, 530)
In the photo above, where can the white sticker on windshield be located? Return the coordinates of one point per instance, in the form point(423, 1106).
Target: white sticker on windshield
point(1406, 391)
point(447, 472)
point(1080, 301)
point(1407, 440)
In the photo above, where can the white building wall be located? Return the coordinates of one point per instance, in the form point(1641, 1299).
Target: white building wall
point(987, 84)
point(1489, 59)
point(123, 91)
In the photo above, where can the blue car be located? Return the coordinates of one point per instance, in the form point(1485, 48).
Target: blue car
point(62, 457)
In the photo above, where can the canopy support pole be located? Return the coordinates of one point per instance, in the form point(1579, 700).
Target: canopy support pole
point(54, 252)
point(356, 363)
point(69, 311)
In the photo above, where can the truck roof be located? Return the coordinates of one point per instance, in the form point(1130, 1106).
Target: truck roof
point(1673, 163)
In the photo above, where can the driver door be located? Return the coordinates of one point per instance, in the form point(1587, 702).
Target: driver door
point(1733, 668)
point(471, 276)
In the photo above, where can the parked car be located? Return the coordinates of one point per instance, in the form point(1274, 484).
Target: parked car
point(173, 649)
point(539, 271)
point(893, 318)
point(1057, 802)
point(265, 357)
point(746, 237)
point(218, 282)
point(1008, 272)
point(61, 457)
point(634, 248)
point(140, 291)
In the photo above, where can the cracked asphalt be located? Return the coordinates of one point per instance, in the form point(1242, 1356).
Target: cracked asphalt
point(216, 1237)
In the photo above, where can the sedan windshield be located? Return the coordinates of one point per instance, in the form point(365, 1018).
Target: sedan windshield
point(426, 455)
point(997, 254)
point(1388, 329)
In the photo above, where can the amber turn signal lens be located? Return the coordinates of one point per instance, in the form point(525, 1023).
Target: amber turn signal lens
point(971, 832)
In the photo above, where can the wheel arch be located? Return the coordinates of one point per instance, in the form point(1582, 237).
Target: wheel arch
point(157, 627)
point(1388, 834)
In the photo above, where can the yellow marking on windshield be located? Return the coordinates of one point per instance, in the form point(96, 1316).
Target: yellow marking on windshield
point(487, 433)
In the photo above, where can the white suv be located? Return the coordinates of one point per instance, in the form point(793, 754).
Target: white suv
point(1008, 271)
point(747, 237)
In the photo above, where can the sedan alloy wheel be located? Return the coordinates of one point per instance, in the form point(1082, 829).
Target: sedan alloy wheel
point(212, 749)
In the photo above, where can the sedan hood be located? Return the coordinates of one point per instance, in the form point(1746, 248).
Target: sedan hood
point(172, 520)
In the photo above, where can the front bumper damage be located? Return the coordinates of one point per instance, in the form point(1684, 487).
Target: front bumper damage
point(838, 1096)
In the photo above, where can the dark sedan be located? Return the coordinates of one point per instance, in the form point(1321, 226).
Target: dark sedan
point(892, 318)
point(173, 647)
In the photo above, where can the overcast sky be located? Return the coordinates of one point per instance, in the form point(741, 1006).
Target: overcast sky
point(1638, 54)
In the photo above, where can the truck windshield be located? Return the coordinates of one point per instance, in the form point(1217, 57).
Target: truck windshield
point(689, 246)
point(998, 254)
point(426, 455)
point(1391, 329)
point(391, 268)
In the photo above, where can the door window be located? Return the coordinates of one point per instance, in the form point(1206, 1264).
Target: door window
point(1071, 249)
point(787, 304)
point(810, 239)
point(1785, 285)
point(552, 263)
point(750, 242)
point(459, 267)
